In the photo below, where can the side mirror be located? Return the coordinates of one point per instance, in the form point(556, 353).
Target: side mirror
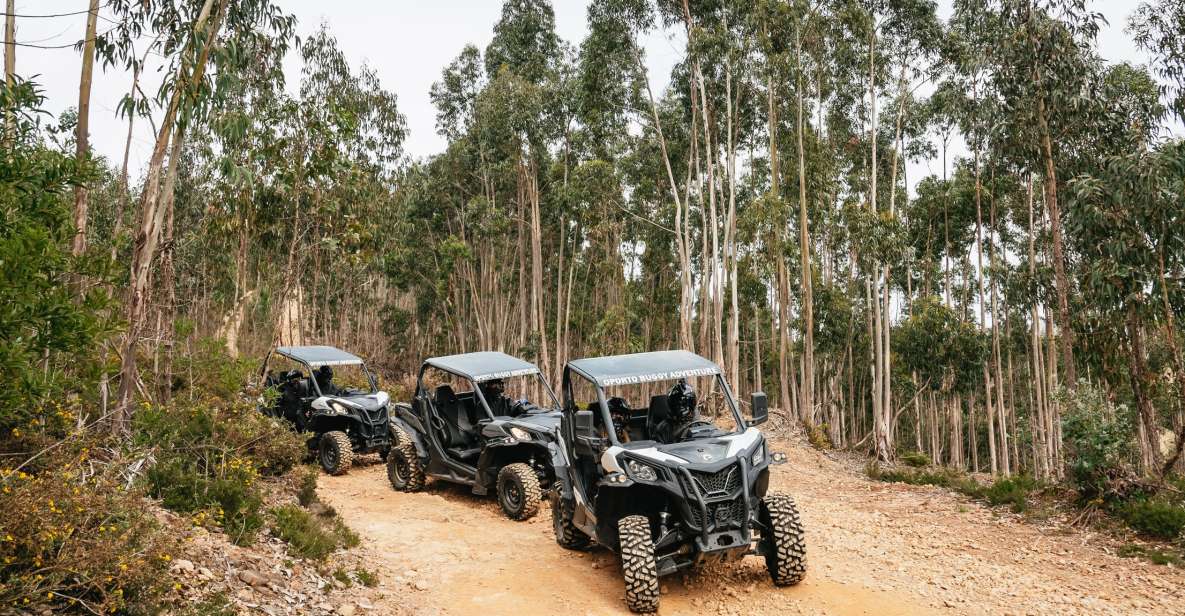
point(760, 406)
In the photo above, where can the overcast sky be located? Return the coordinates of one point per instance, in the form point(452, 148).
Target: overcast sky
point(407, 42)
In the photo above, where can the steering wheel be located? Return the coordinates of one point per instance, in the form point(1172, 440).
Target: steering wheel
point(685, 430)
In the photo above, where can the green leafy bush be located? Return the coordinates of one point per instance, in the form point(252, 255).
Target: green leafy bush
point(1011, 491)
point(366, 577)
point(307, 492)
point(915, 459)
point(817, 436)
point(1099, 443)
point(1150, 554)
point(210, 455)
point(48, 331)
point(1155, 517)
point(311, 536)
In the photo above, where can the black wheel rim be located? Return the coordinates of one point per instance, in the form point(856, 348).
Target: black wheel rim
point(512, 495)
point(329, 456)
point(399, 471)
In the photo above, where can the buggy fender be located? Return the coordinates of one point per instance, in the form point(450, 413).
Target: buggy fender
point(326, 422)
point(559, 464)
point(407, 419)
point(416, 436)
point(497, 454)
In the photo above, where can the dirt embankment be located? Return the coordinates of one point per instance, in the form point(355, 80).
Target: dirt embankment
point(873, 548)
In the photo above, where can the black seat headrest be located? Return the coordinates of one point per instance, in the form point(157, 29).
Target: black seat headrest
point(445, 395)
point(659, 410)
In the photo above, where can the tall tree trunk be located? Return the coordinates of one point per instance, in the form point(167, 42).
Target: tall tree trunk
point(1066, 335)
point(1137, 371)
point(882, 416)
point(151, 218)
point(807, 404)
point(82, 132)
point(9, 60)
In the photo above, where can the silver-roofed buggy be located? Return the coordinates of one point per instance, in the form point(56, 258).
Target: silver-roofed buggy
point(471, 422)
point(645, 473)
point(342, 416)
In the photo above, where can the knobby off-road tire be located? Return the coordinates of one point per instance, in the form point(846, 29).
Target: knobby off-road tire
point(518, 491)
point(404, 470)
point(637, 564)
point(566, 534)
point(784, 545)
point(335, 452)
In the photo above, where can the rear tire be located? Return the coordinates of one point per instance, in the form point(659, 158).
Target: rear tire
point(404, 470)
point(637, 564)
point(335, 452)
point(566, 534)
point(518, 491)
point(784, 545)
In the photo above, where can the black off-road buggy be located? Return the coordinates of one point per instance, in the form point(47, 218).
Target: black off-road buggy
point(342, 417)
point(465, 426)
point(644, 475)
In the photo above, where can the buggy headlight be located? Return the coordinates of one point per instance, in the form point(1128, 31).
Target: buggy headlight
point(641, 472)
point(758, 456)
point(338, 407)
point(519, 433)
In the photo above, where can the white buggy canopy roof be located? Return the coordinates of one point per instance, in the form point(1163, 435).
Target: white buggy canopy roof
point(483, 365)
point(643, 367)
point(317, 356)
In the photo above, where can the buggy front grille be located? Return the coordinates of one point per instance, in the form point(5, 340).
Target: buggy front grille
point(720, 483)
point(721, 514)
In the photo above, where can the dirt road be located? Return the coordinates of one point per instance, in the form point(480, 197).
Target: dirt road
point(873, 548)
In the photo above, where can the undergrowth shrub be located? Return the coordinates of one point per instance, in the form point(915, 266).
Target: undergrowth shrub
point(1012, 491)
point(1099, 443)
point(209, 457)
point(312, 536)
point(1154, 517)
point(74, 537)
point(915, 459)
point(817, 436)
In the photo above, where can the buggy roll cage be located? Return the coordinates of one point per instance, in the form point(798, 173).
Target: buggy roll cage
point(693, 365)
point(477, 380)
point(316, 356)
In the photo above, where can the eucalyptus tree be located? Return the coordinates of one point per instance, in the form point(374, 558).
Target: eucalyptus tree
point(183, 95)
point(81, 134)
point(1043, 59)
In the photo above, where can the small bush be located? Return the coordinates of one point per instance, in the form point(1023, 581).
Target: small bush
point(1099, 443)
point(214, 604)
point(366, 577)
point(1153, 555)
point(1155, 518)
point(209, 457)
point(1011, 491)
point(915, 459)
point(309, 536)
point(307, 493)
point(72, 538)
point(343, 576)
point(817, 436)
